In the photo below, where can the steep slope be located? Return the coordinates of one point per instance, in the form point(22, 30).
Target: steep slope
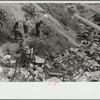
point(58, 26)
point(55, 38)
point(58, 41)
point(58, 11)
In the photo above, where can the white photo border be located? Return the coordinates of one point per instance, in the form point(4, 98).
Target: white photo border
point(43, 90)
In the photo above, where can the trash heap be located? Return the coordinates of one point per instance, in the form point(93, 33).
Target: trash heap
point(75, 65)
point(81, 64)
point(89, 52)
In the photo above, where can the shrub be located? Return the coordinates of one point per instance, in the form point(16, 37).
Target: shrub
point(29, 9)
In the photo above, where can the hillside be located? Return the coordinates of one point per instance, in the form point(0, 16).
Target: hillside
point(54, 38)
point(66, 47)
point(59, 34)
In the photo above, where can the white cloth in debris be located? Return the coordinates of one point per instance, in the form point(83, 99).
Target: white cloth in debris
point(26, 22)
point(6, 58)
point(28, 50)
point(45, 15)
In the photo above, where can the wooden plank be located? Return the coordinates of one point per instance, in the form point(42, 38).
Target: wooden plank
point(55, 73)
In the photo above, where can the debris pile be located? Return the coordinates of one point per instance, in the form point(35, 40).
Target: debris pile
point(73, 65)
point(76, 64)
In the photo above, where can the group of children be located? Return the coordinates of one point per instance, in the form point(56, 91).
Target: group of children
point(16, 31)
point(26, 25)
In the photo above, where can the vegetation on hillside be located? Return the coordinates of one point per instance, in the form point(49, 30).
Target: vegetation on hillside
point(52, 45)
point(56, 10)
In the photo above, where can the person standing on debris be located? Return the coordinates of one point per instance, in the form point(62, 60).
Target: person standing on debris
point(37, 25)
point(26, 26)
point(21, 45)
point(29, 51)
point(16, 31)
point(26, 55)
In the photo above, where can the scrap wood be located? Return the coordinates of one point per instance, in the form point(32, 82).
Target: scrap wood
point(96, 73)
point(39, 60)
point(31, 72)
point(15, 70)
point(55, 73)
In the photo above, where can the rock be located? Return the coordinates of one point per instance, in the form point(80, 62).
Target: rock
point(3, 79)
point(36, 72)
point(11, 72)
point(25, 72)
point(74, 49)
point(39, 69)
point(46, 68)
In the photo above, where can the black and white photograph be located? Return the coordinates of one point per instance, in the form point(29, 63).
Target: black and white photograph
point(49, 42)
